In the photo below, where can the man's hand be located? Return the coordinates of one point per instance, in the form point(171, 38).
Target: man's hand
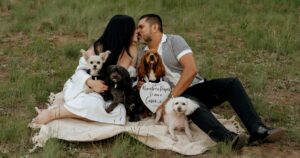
point(160, 111)
point(187, 75)
point(97, 85)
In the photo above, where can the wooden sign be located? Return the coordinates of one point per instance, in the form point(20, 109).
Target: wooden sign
point(153, 94)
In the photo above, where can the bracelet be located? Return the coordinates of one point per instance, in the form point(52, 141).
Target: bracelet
point(170, 96)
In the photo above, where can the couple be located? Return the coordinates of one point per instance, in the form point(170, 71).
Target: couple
point(121, 37)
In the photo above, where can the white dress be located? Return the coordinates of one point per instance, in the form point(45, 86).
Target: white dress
point(91, 106)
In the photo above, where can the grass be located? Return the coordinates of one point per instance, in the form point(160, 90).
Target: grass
point(222, 149)
point(126, 145)
point(256, 41)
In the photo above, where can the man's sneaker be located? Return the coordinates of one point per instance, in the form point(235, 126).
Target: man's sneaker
point(264, 135)
point(239, 141)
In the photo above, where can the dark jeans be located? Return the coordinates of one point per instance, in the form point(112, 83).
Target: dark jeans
point(213, 93)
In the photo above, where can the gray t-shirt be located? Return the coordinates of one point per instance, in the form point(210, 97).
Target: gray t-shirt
point(171, 49)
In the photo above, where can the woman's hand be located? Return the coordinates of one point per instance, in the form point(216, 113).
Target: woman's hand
point(97, 85)
point(134, 39)
point(139, 84)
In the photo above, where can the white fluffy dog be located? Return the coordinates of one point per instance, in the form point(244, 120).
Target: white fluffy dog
point(175, 113)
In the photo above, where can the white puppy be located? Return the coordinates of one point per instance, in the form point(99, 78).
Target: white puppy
point(175, 115)
point(95, 63)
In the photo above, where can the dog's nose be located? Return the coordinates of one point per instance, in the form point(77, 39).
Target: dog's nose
point(179, 109)
point(95, 66)
point(151, 57)
point(115, 77)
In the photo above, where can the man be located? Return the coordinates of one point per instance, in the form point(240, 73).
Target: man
point(182, 74)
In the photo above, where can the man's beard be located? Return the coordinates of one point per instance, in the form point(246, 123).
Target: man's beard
point(146, 41)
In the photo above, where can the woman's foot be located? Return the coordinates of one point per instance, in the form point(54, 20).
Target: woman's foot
point(43, 117)
point(39, 110)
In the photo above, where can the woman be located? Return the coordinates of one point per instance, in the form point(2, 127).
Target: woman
point(120, 38)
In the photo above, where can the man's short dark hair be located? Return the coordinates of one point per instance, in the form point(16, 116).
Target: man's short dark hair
point(153, 19)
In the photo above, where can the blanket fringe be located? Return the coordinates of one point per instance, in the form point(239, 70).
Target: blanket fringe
point(51, 100)
point(41, 136)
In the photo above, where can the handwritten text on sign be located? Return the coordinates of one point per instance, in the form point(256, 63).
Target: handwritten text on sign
point(153, 94)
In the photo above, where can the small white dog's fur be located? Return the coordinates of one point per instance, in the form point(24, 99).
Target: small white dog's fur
point(175, 116)
point(95, 63)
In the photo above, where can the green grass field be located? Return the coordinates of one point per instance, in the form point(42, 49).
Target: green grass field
point(257, 41)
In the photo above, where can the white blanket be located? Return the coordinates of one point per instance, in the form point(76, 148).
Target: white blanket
point(145, 131)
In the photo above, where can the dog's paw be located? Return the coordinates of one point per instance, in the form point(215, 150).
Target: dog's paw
point(172, 133)
point(109, 110)
point(174, 138)
point(190, 137)
point(134, 118)
point(159, 122)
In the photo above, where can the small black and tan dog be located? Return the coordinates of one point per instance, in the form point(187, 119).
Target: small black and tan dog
point(120, 91)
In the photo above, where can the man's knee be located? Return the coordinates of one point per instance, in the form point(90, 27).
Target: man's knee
point(199, 112)
point(234, 81)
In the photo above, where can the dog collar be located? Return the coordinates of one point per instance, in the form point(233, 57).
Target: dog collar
point(95, 77)
point(146, 79)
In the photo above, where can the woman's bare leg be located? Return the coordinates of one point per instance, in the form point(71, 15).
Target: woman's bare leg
point(46, 115)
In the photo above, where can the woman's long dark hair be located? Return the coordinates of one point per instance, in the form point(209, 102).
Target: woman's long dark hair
point(116, 38)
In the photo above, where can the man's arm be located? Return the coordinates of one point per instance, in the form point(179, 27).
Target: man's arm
point(187, 75)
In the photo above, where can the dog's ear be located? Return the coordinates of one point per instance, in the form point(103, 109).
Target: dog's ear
point(109, 68)
point(126, 77)
point(104, 55)
point(84, 54)
point(160, 69)
point(142, 68)
point(191, 106)
point(124, 72)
